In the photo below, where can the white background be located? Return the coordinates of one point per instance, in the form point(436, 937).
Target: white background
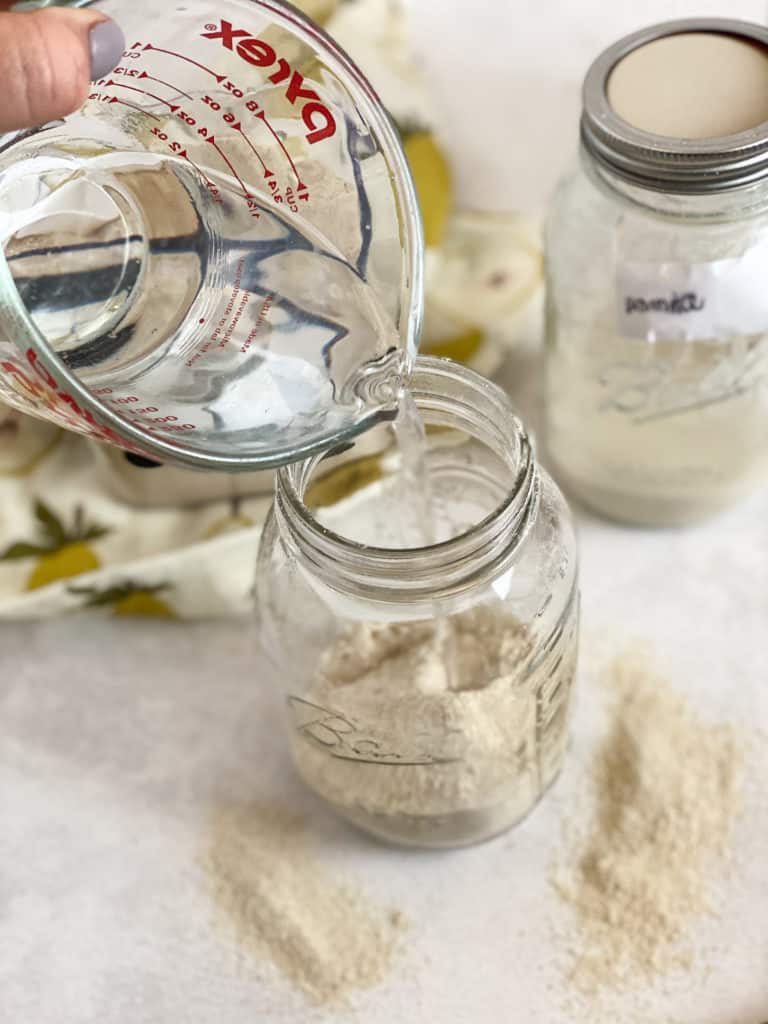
point(506, 77)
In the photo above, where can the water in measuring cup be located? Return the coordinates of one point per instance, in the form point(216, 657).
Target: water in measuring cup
point(152, 277)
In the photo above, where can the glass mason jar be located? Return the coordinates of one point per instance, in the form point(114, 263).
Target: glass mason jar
point(426, 686)
point(657, 322)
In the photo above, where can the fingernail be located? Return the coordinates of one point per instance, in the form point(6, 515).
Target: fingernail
point(107, 47)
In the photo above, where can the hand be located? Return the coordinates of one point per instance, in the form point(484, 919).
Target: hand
point(48, 58)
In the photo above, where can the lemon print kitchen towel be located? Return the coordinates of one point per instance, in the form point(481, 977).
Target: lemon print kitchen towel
point(67, 542)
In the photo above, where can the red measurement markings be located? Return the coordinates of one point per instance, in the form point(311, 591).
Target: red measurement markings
point(176, 149)
point(267, 173)
point(138, 73)
point(104, 97)
point(142, 417)
point(263, 117)
point(230, 165)
point(212, 187)
point(134, 106)
point(185, 156)
point(181, 56)
point(122, 85)
point(168, 85)
point(229, 119)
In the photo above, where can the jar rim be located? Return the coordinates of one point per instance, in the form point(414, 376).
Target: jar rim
point(448, 567)
point(663, 163)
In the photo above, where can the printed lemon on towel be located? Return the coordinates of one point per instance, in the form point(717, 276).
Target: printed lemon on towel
point(432, 178)
point(137, 600)
point(234, 521)
point(449, 337)
point(61, 552)
point(343, 481)
point(144, 604)
point(453, 337)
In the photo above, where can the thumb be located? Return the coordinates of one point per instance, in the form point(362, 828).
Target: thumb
point(47, 60)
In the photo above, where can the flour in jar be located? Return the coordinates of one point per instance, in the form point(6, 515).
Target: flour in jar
point(388, 730)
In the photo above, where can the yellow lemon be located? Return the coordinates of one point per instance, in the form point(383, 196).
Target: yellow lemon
point(460, 347)
point(450, 337)
point(71, 560)
point(432, 178)
point(345, 480)
point(229, 524)
point(143, 603)
point(320, 11)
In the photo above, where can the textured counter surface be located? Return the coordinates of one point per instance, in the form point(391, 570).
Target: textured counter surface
point(120, 743)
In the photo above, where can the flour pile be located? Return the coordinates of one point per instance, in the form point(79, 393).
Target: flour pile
point(387, 730)
point(667, 793)
point(321, 933)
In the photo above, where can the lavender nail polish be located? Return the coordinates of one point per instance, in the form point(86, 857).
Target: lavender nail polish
point(107, 47)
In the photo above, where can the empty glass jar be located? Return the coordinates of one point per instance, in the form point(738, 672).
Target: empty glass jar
point(426, 685)
point(657, 256)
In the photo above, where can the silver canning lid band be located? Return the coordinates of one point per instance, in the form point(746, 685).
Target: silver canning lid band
point(686, 166)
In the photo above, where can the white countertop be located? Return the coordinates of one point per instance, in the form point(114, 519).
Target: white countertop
point(118, 742)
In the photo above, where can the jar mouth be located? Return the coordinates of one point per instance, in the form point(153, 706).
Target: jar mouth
point(446, 394)
point(660, 162)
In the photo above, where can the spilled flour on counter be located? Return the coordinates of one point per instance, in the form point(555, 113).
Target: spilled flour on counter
point(322, 933)
point(667, 792)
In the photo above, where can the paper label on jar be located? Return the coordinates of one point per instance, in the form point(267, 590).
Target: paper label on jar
point(694, 301)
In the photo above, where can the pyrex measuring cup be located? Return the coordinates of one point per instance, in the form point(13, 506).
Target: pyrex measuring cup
point(217, 260)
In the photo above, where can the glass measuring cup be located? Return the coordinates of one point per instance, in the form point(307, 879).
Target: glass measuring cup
point(217, 260)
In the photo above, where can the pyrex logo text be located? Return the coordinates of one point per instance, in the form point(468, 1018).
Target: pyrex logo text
point(316, 116)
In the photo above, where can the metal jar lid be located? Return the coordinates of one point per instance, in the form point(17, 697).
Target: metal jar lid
point(659, 162)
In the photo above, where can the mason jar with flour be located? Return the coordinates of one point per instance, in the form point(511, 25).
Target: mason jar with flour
point(657, 273)
point(426, 682)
